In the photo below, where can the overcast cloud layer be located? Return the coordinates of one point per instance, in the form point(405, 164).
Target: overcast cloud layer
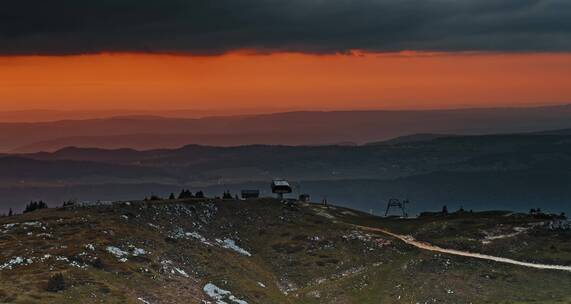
point(310, 26)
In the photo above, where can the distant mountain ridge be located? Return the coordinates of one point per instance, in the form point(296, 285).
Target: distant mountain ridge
point(514, 171)
point(288, 128)
point(555, 132)
point(410, 139)
point(44, 115)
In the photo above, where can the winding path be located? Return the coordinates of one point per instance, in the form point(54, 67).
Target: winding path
point(426, 246)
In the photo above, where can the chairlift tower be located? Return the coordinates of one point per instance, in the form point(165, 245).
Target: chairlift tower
point(395, 203)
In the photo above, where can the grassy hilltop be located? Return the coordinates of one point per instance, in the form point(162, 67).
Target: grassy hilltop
point(213, 251)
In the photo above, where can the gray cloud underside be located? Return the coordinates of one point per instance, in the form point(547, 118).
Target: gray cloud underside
point(211, 27)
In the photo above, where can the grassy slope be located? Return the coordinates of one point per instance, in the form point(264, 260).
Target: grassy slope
point(494, 233)
point(306, 254)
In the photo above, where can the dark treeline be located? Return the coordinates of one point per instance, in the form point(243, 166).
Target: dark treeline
point(33, 206)
point(185, 193)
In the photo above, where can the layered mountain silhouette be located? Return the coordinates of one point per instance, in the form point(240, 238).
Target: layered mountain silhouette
point(513, 171)
point(292, 128)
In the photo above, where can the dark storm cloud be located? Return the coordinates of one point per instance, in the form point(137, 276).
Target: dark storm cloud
point(311, 26)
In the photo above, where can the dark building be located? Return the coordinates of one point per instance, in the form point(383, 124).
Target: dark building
point(304, 198)
point(281, 187)
point(250, 194)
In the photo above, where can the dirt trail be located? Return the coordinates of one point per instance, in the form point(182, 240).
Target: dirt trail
point(426, 246)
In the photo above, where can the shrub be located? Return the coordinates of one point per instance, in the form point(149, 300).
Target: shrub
point(56, 283)
point(98, 263)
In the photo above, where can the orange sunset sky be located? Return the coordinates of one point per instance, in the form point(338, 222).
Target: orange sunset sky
point(404, 80)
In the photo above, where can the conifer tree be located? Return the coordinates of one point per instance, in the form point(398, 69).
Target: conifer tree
point(33, 206)
point(227, 195)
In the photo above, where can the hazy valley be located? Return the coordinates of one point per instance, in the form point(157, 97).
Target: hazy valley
point(512, 172)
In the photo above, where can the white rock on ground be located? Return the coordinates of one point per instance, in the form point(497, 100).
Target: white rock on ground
point(181, 272)
point(220, 295)
point(116, 251)
point(168, 267)
point(139, 251)
point(90, 247)
point(143, 301)
point(199, 237)
point(231, 244)
point(13, 262)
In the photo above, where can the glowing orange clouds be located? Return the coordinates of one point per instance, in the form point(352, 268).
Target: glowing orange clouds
point(406, 80)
